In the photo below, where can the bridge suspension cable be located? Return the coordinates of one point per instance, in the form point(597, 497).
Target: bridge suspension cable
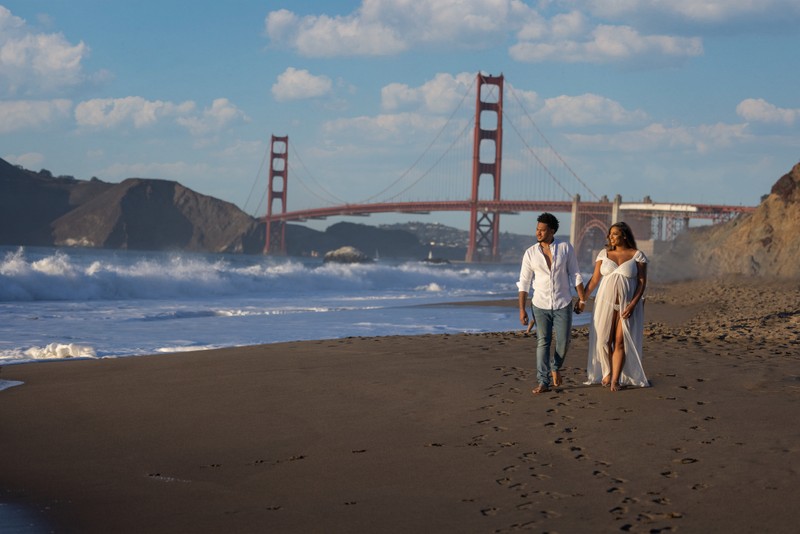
point(332, 199)
point(467, 126)
point(253, 187)
point(525, 111)
point(422, 155)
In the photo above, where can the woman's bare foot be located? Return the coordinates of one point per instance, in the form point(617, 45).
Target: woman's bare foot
point(615, 386)
point(606, 381)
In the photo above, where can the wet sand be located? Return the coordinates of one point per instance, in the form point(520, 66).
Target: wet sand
point(434, 433)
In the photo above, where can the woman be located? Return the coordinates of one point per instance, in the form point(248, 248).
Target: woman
point(615, 335)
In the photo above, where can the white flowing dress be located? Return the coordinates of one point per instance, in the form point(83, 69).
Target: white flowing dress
point(614, 293)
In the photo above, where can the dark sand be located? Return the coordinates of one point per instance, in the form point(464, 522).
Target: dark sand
point(425, 433)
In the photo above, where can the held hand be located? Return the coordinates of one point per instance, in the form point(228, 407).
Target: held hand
point(579, 306)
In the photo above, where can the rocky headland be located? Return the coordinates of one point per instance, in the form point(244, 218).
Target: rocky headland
point(763, 243)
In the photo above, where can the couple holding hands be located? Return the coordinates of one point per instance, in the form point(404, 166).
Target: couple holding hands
point(616, 330)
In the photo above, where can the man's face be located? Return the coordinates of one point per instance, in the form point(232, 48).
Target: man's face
point(544, 234)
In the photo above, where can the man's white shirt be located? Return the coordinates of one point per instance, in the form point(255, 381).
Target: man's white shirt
point(551, 286)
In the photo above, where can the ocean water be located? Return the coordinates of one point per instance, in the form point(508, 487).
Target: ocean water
point(86, 303)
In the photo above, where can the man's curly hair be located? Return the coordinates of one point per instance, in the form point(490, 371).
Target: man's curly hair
point(550, 220)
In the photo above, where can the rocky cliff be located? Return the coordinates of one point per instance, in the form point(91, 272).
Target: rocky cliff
point(39, 209)
point(157, 215)
point(763, 243)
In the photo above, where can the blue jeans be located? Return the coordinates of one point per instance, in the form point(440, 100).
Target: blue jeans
point(546, 322)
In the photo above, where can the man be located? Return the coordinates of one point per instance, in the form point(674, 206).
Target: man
point(552, 267)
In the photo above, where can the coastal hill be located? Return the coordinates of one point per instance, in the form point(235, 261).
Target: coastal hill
point(763, 243)
point(39, 209)
point(146, 214)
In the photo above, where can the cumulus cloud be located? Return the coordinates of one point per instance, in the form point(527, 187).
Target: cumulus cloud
point(108, 113)
point(759, 110)
point(30, 114)
point(602, 44)
point(36, 63)
point(386, 27)
point(582, 34)
point(219, 116)
point(706, 12)
point(113, 112)
point(442, 94)
point(588, 109)
point(701, 139)
point(298, 84)
point(384, 127)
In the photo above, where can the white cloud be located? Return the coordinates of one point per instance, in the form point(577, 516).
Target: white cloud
point(294, 84)
point(386, 27)
point(384, 127)
point(706, 11)
point(221, 114)
point(587, 109)
point(657, 137)
point(36, 63)
point(29, 160)
point(113, 112)
point(606, 44)
point(442, 94)
point(759, 110)
point(18, 115)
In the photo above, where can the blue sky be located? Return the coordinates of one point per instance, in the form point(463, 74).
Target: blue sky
point(684, 101)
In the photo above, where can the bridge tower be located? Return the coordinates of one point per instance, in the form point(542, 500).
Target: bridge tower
point(484, 228)
point(278, 174)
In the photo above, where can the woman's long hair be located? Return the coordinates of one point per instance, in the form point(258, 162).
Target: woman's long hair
point(627, 235)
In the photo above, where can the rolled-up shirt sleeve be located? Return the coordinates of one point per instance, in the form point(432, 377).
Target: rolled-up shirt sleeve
point(572, 267)
point(525, 274)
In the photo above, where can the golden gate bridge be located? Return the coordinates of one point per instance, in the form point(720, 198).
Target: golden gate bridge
point(540, 164)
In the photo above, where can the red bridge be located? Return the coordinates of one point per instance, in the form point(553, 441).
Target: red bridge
point(589, 219)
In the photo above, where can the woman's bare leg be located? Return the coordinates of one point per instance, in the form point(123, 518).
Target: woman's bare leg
point(618, 357)
point(610, 347)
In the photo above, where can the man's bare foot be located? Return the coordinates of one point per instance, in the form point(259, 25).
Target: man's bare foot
point(541, 388)
point(557, 381)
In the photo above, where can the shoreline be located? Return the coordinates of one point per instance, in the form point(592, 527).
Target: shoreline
point(437, 432)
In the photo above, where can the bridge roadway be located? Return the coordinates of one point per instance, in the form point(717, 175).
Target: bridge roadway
point(691, 211)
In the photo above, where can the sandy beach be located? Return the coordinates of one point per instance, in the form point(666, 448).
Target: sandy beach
point(435, 433)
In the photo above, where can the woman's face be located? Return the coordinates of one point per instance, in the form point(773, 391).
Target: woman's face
point(615, 237)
